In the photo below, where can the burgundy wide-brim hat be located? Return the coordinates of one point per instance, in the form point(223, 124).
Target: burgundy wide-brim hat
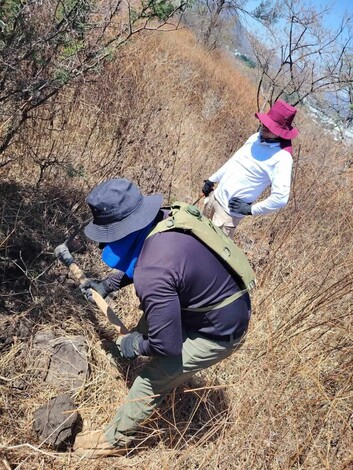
point(118, 209)
point(279, 120)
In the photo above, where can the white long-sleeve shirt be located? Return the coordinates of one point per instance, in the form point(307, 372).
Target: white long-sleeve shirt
point(254, 167)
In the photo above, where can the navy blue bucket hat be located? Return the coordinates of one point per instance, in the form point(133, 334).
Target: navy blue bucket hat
point(118, 209)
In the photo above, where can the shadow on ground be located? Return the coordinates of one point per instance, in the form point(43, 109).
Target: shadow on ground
point(33, 222)
point(192, 414)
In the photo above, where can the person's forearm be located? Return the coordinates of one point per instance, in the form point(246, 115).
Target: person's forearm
point(117, 280)
point(269, 205)
point(280, 188)
point(216, 177)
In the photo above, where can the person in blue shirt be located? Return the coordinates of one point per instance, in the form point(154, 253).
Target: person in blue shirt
point(171, 271)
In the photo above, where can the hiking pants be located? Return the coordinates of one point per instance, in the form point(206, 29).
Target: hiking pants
point(162, 375)
point(214, 211)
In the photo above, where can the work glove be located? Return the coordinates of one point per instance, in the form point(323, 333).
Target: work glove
point(113, 353)
point(208, 187)
point(128, 345)
point(102, 287)
point(63, 254)
point(239, 206)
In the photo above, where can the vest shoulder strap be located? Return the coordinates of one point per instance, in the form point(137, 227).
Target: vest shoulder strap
point(188, 218)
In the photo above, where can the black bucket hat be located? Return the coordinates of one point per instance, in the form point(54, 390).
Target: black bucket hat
point(118, 209)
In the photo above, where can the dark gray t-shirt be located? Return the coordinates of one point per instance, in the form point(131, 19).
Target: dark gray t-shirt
point(175, 270)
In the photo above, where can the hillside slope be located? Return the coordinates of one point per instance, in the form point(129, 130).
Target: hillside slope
point(166, 113)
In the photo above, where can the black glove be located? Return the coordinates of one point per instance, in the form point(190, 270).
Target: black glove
point(102, 287)
point(208, 187)
point(128, 345)
point(239, 206)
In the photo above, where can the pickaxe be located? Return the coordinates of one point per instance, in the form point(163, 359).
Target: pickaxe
point(62, 252)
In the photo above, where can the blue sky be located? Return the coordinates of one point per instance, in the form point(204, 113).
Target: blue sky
point(333, 19)
point(338, 10)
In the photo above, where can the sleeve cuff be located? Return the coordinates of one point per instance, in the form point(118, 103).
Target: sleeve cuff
point(144, 347)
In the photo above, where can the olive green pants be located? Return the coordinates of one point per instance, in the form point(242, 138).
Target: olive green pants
point(160, 376)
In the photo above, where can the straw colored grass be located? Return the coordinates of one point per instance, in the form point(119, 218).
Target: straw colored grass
point(166, 114)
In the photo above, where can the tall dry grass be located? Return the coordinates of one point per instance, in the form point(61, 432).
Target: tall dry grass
point(166, 114)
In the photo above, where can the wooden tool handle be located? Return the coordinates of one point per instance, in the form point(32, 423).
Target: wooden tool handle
point(80, 277)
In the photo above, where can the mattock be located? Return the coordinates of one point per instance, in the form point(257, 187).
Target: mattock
point(62, 252)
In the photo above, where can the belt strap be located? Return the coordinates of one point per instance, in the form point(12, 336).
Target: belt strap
point(221, 304)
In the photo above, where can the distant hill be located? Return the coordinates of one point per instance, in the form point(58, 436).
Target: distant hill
point(243, 44)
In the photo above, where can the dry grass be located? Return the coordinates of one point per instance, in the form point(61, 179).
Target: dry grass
point(166, 114)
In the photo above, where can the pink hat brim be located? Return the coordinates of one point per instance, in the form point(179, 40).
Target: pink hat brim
point(276, 129)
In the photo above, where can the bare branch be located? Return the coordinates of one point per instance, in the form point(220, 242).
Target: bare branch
point(49, 44)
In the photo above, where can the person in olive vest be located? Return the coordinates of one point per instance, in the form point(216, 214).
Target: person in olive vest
point(171, 271)
point(264, 160)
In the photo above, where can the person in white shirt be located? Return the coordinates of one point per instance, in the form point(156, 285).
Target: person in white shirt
point(264, 160)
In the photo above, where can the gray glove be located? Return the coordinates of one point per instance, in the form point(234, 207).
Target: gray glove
point(239, 206)
point(102, 287)
point(113, 352)
point(63, 254)
point(128, 345)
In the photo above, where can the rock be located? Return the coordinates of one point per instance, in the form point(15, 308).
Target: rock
point(68, 366)
point(24, 329)
point(42, 352)
point(56, 422)
point(43, 336)
point(61, 361)
point(11, 331)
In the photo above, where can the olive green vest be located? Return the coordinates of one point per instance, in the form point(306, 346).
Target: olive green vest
point(187, 218)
